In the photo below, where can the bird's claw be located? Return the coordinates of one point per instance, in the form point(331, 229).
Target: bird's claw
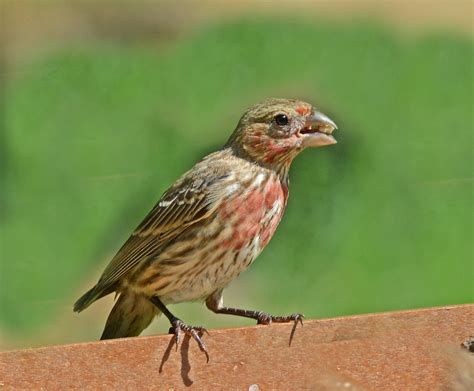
point(196, 332)
point(298, 318)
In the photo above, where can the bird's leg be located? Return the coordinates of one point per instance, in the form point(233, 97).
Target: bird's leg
point(215, 303)
point(178, 327)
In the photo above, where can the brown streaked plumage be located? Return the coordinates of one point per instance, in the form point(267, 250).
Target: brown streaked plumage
point(211, 224)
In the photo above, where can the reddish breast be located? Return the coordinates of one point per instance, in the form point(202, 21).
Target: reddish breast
point(256, 212)
point(276, 197)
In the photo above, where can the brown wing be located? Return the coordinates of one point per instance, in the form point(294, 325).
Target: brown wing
point(184, 204)
point(192, 198)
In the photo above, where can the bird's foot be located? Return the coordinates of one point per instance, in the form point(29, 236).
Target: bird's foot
point(264, 318)
point(196, 332)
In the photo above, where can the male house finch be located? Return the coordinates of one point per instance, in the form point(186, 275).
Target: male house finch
point(211, 224)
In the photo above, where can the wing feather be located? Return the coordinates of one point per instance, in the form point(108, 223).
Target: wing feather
point(190, 200)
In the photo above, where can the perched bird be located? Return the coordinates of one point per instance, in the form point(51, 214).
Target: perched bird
point(211, 224)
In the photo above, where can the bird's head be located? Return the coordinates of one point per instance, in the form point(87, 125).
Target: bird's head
point(274, 131)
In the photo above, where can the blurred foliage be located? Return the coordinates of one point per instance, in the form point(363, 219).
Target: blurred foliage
point(381, 221)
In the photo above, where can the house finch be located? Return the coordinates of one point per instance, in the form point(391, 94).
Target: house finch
point(211, 224)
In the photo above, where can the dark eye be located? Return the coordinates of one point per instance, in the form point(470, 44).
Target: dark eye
point(281, 119)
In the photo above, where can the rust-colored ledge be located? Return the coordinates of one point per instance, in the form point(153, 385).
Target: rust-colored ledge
point(407, 350)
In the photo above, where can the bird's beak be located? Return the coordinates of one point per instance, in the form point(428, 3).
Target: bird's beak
point(317, 131)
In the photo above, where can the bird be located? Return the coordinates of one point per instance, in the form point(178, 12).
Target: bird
point(211, 224)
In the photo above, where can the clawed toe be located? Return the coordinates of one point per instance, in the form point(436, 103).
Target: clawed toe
point(196, 332)
point(298, 318)
point(264, 318)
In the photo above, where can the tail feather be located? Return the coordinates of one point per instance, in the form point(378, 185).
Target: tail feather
point(92, 295)
point(131, 314)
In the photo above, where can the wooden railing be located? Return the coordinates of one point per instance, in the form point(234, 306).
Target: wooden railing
point(408, 350)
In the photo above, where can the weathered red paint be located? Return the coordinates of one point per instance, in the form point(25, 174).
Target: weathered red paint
point(409, 350)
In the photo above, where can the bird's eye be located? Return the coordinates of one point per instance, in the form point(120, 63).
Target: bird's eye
point(281, 119)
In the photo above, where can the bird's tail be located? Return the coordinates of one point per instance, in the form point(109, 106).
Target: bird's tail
point(131, 314)
point(92, 295)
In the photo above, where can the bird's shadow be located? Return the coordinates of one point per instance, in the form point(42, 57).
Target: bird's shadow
point(184, 351)
point(293, 331)
point(185, 364)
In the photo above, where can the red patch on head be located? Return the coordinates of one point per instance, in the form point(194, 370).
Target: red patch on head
point(303, 110)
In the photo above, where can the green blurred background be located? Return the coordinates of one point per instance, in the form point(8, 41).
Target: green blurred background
point(106, 104)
